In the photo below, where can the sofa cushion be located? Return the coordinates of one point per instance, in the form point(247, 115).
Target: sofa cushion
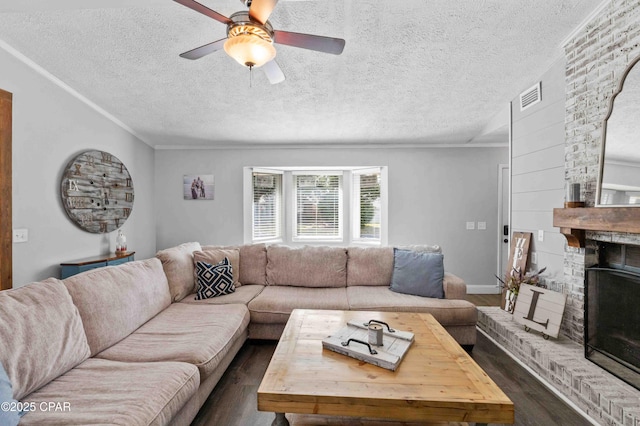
point(422, 248)
point(214, 280)
point(369, 266)
point(201, 335)
point(242, 295)
point(307, 266)
point(216, 256)
point(116, 300)
point(178, 267)
point(275, 303)
point(9, 414)
point(104, 392)
point(418, 273)
point(446, 312)
point(253, 258)
point(41, 335)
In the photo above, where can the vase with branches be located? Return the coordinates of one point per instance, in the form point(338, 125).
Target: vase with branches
point(511, 284)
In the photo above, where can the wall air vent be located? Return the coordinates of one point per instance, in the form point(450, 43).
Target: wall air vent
point(531, 96)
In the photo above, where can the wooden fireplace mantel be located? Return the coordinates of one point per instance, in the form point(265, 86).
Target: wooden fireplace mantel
point(574, 221)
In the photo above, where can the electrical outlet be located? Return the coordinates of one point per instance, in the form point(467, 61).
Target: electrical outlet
point(482, 226)
point(540, 235)
point(20, 235)
point(534, 258)
point(471, 226)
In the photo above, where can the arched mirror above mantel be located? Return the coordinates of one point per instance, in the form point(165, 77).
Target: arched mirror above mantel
point(618, 190)
point(619, 179)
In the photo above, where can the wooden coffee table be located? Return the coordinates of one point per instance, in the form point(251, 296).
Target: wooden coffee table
point(437, 381)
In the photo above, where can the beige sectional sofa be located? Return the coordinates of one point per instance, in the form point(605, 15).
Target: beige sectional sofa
point(130, 345)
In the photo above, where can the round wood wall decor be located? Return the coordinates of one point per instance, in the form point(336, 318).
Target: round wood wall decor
point(97, 191)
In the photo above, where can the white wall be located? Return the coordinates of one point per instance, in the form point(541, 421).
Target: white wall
point(538, 169)
point(50, 127)
point(432, 194)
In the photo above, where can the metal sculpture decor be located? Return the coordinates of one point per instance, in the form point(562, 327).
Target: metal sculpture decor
point(97, 191)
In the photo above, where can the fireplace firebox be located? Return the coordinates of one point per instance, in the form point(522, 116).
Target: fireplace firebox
point(612, 312)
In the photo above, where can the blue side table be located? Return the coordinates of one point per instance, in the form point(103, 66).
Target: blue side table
point(81, 265)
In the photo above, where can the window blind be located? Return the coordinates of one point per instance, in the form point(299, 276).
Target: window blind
point(318, 201)
point(267, 206)
point(368, 207)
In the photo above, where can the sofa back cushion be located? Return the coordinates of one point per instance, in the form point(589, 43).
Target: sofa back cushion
point(253, 262)
point(41, 335)
point(178, 266)
point(307, 266)
point(369, 266)
point(116, 300)
point(215, 256)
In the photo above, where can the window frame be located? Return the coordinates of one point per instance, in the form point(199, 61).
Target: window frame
point(278, 222)
point(356, 236)
point(349, 204)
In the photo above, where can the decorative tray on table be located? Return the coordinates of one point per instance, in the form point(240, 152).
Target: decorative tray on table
point(373, 342)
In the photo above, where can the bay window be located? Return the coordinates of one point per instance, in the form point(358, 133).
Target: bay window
point(335, 205)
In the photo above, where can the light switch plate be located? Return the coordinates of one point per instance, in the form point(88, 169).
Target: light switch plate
point(471, 226)
point(540, 235)
point(482, 226)
point(534, 258)
point(20, 235)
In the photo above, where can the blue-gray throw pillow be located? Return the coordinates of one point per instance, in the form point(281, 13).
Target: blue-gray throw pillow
point(418, 273)
point(8, 406)
point(214, 280)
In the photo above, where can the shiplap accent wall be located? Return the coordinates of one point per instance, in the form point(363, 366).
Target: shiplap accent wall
point(538, 169)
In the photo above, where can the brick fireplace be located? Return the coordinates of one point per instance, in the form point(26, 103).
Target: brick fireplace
point(597, 57)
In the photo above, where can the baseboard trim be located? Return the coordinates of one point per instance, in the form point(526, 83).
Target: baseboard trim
point(541, 379)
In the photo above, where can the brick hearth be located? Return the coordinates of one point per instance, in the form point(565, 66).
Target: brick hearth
point(561, 364)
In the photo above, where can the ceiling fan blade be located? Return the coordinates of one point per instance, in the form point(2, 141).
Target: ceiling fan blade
point(201, 51)
point(191, 4)
point(260, 10)
point(273, 72)
point(331, 45)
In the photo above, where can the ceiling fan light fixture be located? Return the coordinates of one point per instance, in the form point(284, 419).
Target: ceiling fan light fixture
point(250, 50)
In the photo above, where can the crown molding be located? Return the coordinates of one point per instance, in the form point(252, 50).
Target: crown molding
point(330, 146)
point(61, 84)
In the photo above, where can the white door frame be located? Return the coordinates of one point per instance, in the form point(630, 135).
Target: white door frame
point(501, 219)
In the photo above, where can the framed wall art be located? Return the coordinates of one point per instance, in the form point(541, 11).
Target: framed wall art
point(198, 187)
point(97, 191)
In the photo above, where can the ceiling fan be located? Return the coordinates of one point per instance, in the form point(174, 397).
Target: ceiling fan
point(250, 38)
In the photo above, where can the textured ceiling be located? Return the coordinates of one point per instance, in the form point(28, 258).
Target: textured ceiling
point(412, 72)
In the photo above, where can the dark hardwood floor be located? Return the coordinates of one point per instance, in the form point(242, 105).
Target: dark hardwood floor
point(233, 401)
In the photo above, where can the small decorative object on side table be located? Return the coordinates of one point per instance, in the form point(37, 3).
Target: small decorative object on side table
point(121, 243)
